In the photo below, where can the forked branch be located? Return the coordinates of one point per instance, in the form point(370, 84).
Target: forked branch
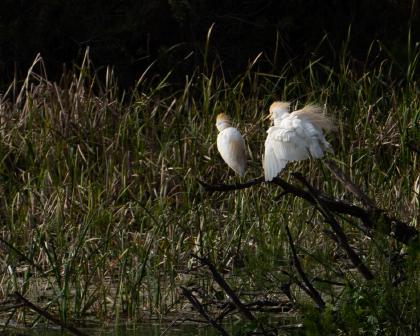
point(198, 306)
point(225, 286)
point(341, 236)
point(313, 293)
point(373, 218)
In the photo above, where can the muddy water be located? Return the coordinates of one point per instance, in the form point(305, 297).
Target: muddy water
point(123, 330)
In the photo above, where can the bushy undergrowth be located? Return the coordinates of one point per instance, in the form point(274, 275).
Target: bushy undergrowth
point(101, 207)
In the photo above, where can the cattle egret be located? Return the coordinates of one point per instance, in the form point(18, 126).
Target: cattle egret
point(231, 145)
point(295, 136)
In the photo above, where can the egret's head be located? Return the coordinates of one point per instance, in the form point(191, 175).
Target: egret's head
point(277, 109)
point(222, 121)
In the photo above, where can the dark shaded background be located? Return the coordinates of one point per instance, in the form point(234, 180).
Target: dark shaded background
point(130, 34)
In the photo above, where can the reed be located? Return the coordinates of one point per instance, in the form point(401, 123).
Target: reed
point(101, 207)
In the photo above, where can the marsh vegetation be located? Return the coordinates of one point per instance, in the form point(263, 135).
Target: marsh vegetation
point(102, 210)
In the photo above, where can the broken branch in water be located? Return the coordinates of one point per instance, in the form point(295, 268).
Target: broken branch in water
point(225, 286)
point(198, 306)
point(48, 316)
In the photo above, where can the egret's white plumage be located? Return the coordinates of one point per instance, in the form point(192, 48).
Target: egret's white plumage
point(295, 136)
point(231, 145)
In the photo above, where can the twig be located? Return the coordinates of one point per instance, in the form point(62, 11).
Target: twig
point(229, 187)
point(178, 320)
point(197, 305)
point(334, 283)
point(313, 293)
point(342, 238)
point(349, 185)
point(294, 279)
point(225, 286)
point(258, 306)
point(8, 319)
point(336, 205)
point(285, 288)
point(48, 316)
point(14, 307)
point(375, 219)
point(23, 256)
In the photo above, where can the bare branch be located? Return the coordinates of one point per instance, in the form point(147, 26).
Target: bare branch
point(198, 306)
point(372, 218)
point(342, 238)
point(229, 187)
point(349, 185)
point(312, 292)
point(225, 286)
point(48, 316)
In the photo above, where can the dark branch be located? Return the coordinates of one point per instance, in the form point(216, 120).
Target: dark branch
point(48, 316)
point(225, 286)
point(372, 219)
point(229, 187)
point(313, 293)
point(197, 305)
point(336, 205)
point(339, 233)
point(23, 256)
point(349, 185)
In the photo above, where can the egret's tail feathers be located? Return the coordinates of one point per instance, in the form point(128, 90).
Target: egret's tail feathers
point(316, 150)
point(328, 148)
point(240, 170)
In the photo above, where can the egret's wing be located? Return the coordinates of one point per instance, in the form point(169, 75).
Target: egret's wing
point(285, 142)
point(231, 146)
point(237, 147)
point(272, 163)
point(315, 139)
point(289, 141)
point(295, 137)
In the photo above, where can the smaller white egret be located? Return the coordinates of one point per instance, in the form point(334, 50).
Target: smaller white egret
point(231, 145)
point(295, 136)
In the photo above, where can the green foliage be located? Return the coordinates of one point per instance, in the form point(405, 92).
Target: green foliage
point(378, 307)
point(319, 322)
point(101, 205)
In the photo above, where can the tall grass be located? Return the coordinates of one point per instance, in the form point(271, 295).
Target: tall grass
point(101, 207)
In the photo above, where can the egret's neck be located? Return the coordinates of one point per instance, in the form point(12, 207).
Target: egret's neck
point(277, 121)
point(279, 116)
point(221, 125)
